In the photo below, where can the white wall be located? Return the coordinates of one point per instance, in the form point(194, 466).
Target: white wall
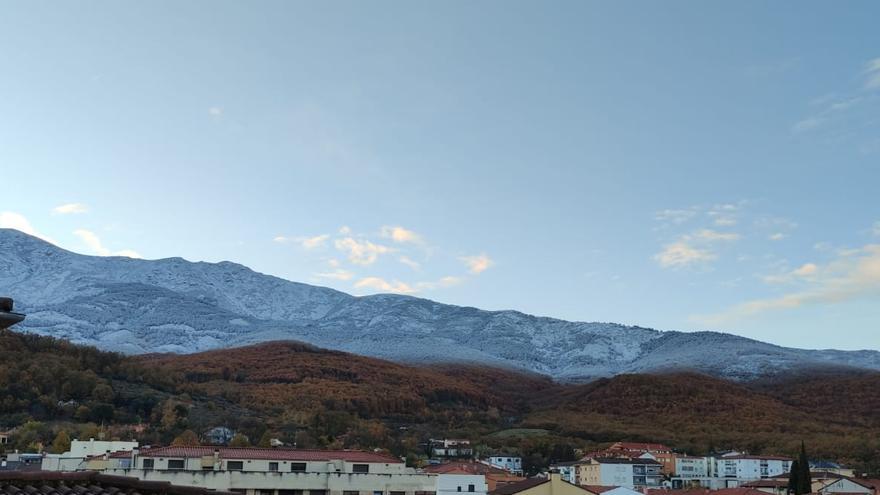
point(453, 484)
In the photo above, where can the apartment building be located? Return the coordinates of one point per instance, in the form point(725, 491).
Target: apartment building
point(727, 471)
point(636, 474)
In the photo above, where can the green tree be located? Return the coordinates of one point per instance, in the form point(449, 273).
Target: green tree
point(265, 440)
point(186, 439)
point(61, 444)
point(239, 440)
point(793, 477)
point(805, 479)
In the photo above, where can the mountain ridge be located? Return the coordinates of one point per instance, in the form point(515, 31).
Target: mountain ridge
point(173, 305)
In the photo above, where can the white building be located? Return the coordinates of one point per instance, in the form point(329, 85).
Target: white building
point(511, 464)
point(636, 474)
point(454, 484)
point(451, 447)
point(74, 459)
point(728, 471)
point(266, 471)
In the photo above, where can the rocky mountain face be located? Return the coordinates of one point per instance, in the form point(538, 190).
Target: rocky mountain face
point(173, 305)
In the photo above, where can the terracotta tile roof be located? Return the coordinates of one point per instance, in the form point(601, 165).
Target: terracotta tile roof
point(466, 467)
point(767, 483)
point(89, 483)
point(269, 454)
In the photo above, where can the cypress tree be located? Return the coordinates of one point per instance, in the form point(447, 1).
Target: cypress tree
point(804, 478)
point(793, 484)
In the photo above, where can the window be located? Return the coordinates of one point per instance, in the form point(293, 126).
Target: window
point(265, 492)
point(297, 467)
point(234, 465)
point(397, 493)
point(148, 463)
point(176, 464)
point(350, 492)
point(458, 488)
point(317, 492)
point(360, 468)
point(273, 466)
point(378, 492)
point(471, 488)
point(290, 492)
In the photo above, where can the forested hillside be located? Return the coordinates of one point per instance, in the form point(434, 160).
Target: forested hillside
point(318, 398)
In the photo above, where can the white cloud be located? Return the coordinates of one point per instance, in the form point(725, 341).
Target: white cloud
point(93, 242)
point(345, 230)
point(382, 285)
point(805, 271)
point(361, 252)
point(406, 260)
point(306, 242)
point(314, 242)
point(215, 111)
point(70, 208)
point(872, 70)
point(777, 236)
point(807, 124)
point(477, 264)
point(675, 216)
point(710, 235)
point(681, 253)
point(875, 229)
point(450, 281)
point(17, 221)
point(854, 274)
point(338, 274)
point(400, 234)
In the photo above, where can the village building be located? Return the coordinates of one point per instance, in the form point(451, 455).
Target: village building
point(82, 452)
point(551, 485)
point(495, 477)
point(267, 471)
point(636, 474)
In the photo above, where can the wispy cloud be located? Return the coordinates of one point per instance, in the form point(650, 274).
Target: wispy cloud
point(872, 72)
point(93, 242)
point(361, 252)
point(477, 264)
point(875, 229)
point(854, 274)
point(70, 209)
point(17, 221)
point(401, 235)
point(776, 236)
point(675, 216)
point(383, 285)
point(681, 254)
point(406, 260)
point(692, 249)
point(710, 235)
point(338, 274)
point(807, 124)
point(306, 242)
point(215, 112)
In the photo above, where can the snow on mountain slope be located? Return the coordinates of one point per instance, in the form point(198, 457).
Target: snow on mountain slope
point(172, 305)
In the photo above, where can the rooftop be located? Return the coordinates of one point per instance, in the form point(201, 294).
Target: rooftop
point(266, 454)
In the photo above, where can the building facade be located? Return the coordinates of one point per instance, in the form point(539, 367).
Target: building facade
point(636, 474)
point(258, 471)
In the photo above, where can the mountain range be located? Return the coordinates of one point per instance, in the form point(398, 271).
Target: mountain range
point(172, 305)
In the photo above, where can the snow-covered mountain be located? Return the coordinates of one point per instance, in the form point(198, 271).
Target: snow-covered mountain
point(172, 305)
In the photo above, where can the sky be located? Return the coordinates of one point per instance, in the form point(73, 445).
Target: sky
point(675, 165)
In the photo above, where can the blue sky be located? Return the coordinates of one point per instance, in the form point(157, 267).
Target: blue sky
point(678, 165)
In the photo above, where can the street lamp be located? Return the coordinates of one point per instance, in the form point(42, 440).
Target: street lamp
point(7, 317)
